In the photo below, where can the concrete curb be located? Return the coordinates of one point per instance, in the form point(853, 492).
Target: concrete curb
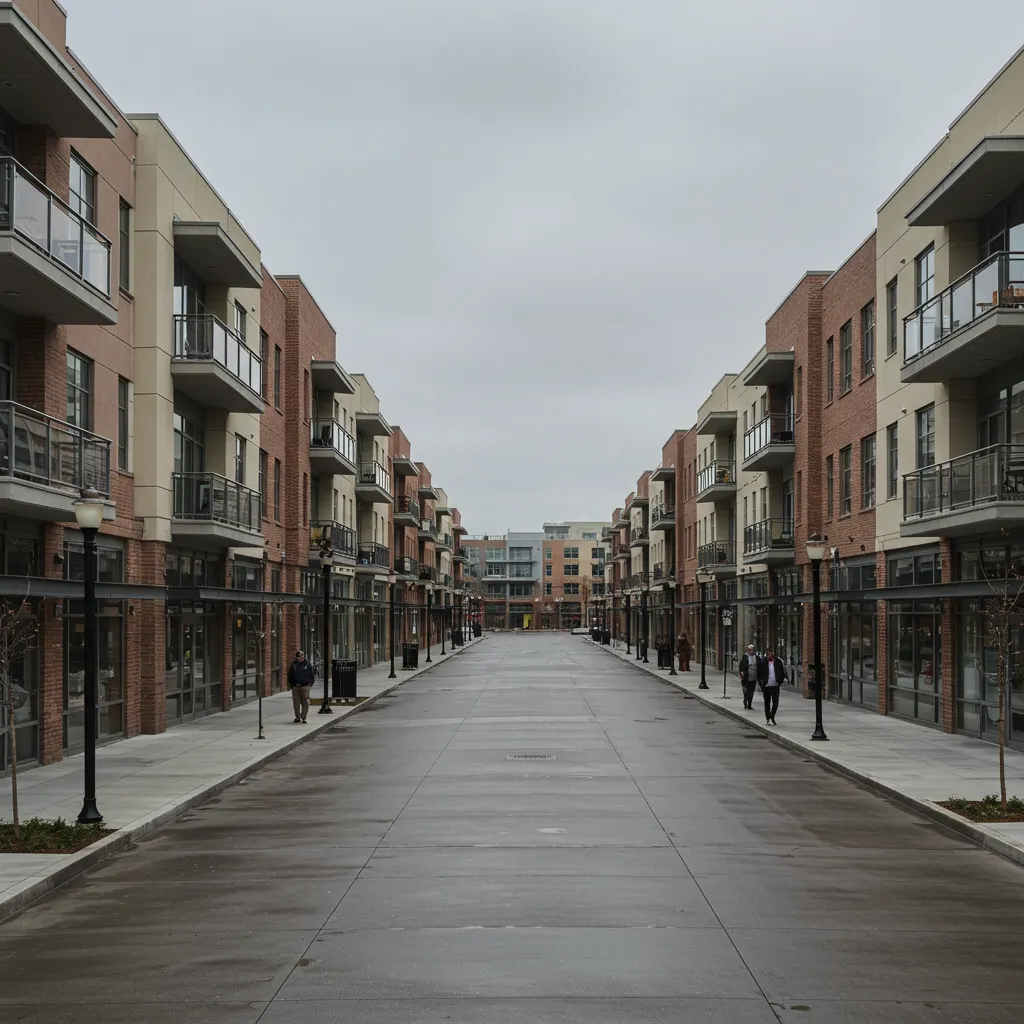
point(123, 838)
point(979, 834)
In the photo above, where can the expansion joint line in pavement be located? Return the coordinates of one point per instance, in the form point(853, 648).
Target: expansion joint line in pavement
point(380, 842)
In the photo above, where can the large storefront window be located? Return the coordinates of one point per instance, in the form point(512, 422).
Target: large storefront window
point(915, 652)
point(193, 661)
point(853, 671)
point(24, 677)
point(246, 665)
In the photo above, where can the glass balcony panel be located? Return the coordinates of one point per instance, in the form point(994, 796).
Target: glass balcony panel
point(66, 239)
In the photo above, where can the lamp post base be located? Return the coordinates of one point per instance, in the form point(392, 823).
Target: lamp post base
point(90, 814)
point(819, 733)
point(325, 709)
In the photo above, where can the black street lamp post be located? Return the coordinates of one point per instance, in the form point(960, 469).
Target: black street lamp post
point(672, 628)
point(326, 558)
point(703, 579)
point(625, 613)
point(392, 579)
point(644, 588)
point(815, 552)
point(430, 593)
point(89, 515)
point(444, 622)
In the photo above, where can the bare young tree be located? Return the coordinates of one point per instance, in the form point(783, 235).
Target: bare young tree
point(18, 632)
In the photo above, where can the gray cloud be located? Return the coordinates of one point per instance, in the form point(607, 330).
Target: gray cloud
point(545, 228)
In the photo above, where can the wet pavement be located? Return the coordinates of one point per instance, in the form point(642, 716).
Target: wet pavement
point(532, 832)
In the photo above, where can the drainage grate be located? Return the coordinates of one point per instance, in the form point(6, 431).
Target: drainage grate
point(529, 757)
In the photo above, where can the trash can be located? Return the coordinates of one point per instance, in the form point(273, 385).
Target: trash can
point(606, 637)
point(477, 630)
point(456, 637)
point(410, 656)
point(343, 680)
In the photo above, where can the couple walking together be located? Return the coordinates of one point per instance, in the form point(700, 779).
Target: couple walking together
point(767, 672)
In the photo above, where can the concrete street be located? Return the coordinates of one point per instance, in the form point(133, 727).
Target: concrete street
point(534, 831)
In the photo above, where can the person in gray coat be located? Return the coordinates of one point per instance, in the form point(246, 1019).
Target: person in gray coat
point(750, 666)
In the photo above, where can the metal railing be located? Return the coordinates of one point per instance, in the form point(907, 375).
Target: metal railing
point(446, 579)
point(638, 579)
point(428, 573)
point(328, 433)
point(371, 553)
point(718, 552)
point(716, 473)
point(205, 338)
point(47, 451)
point(997, 282)
point(214, 498)
point(663, 512)
point(404, 505)
point(768, 535)
point(991, 474)
point(664, 571)
point(406, 566)
point(339, 539)
point(427, 526)
point(34, 213)
point(637, 533)
point(446, 539)
point(776, 428)
point(375, 475)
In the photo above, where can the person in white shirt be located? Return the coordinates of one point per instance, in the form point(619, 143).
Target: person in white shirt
point(771, 676)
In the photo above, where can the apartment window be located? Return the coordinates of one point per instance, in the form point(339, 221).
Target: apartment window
point(277, 490)
point(846, 356)
point(891, 298)
point(571, 569)
point(82, 188)
point(264, 458)
point(570, 588)
point(239, 459)
point(830, 369)
point(867, 472)
point(305, 394)
point(571, 553)
point(124, 246)
point(829, 487)
point(764, 405)
point(745, 423)
point(79, 410)
point(241, 320)
point(122, 423)
point(547, 589)
point(867, 339)
point(892, 445)
point(596, 553)
point(764, 503)
point(924, 275)
point(334, 505)
point(744, 513)
point(264, 354)
point(926, 437)
point(547, 553)
point(799, 390)
point(597, 569)
point(277, 377)
point(590, 535)
point(547, 570)
point(846, 480)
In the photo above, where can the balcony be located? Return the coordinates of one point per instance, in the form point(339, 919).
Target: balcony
point(638, 537)
point(664, 572)
point(407, 567)
point(445, 540)
point(428, 531)
point(372, 557)
point(407, 511)
point(622, 555)
point(717, 421)
point(372, 424)
point(428, 574)
point(332, 449)
point(637, 580)
point(969, 328)
point(207, 247)
point(53, 264)
point(981, 492)
point(718, 557)
point(445, 579)
point(663, 517)
point(373, 483)
point(664, 474)
point(769, 541)
point(772, 368)
point(214, 367)
point(460, 557)
point(404, 466)
point(717, 482)
point(340, 540)
point(329, 376)
point(428, 492)
point(638, 501)
point(210, 511)
point(46, 463)
point(769, 444)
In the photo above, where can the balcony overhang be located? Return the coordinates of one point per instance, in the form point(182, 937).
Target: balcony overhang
point(28, 500)
point(212, 535)
point(211, 385)
point(459, 528)
point(372, 424)
point(984, 344)
point(663, 474)
point(718, 421)
point(328, 375)
point(404, 466)
point(427, 491)
point(640, 542)
point(34, 285)
point(718, 493)
point(770, 556)
point(39, 87)
point(980, 181)
point(989, 518)
point(772, 456)
point(664, 521)
point(213, 255)
point(327, 459)
point(372, 492)
point(405, 519)
point(638, 501)
point(771, 368)
point(366, 569)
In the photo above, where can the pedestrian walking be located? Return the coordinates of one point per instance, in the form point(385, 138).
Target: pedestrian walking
point(771, 678)
point(683, 650)
point(300, 679)
point(749, 671)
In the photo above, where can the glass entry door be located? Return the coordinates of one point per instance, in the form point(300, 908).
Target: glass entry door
point(188, 677)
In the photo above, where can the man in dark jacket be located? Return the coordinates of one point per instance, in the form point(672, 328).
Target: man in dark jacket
point(750, 669)
point(300, 679)
point(771, 676)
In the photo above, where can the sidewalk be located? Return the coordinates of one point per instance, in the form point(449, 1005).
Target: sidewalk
point(146, 781)
point(910, 763)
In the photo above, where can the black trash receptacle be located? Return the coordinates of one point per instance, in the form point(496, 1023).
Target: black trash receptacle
point(456, 638)
point(477, 630)
point(343, 679)
point(410, 656)
point(606, 637)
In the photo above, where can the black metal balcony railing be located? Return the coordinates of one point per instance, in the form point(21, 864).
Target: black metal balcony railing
point(991, 474)
point(428, 574)
point(997, 282)
point(446, 579)
point(212, 497)
point(638, 579)
point(663, 512)
point(337, 538)
point(768, 535)
point(446, 539)
point(407, 506)
point(34, 213)
point(406, 566)
point(664, 571)
point(427, 526)
point(717, 553)
point(637, 533)
point(371, 553)
point(46, 451)
point(375, 475)
point(717, 473)
point(207, 338)
point(327, 433)
point(776, 428)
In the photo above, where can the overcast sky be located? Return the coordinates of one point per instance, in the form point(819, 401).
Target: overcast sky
point(545, 228)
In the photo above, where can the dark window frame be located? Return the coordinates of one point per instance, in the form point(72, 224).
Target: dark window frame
point(892, 445)
point(868, 463)
point(867, 339)
point(124, 246)
point(830, 369)
point(892, 304)
point(846, 480)
point(123, 424)
point(846, 357)
point(263, 469)
point(830, 486)
point(924, 440)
